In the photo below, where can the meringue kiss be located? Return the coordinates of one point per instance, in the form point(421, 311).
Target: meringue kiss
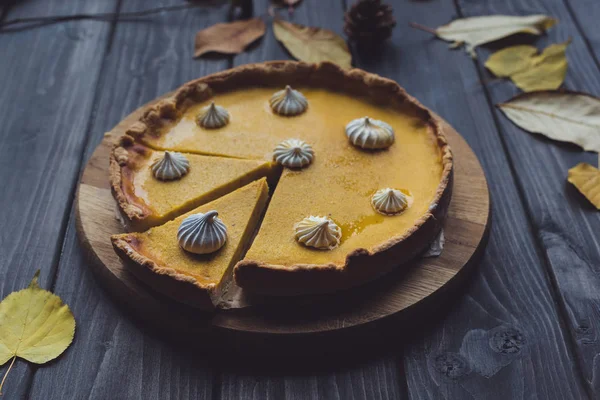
point(391, 201)
point(288, 102)
point(213, 117)
point(170, 167)
point(202, 233)
point(318, 232)
point(293, 153)
point(368, 133)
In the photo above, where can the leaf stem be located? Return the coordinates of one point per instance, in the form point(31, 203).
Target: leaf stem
point(422, 28)
point(6, 374)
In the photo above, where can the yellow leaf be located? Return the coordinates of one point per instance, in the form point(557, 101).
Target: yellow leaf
point(312, 44)
point(528, 70)
point(586, 179)
point(475, 31)
point(34, 325)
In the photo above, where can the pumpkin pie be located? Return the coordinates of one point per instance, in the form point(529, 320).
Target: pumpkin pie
point(156, 257)
point(375, 201)
point(145, 201)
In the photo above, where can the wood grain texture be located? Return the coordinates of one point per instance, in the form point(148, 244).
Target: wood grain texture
point(585, 14)
point(510, 303)
point(374, 379)
point(326, 384)
point(45, 107)
point(111, 355)
point(566, 226)
point(324, 14)
point(98, 222)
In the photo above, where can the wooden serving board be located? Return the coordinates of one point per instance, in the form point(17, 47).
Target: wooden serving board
point(403, 299)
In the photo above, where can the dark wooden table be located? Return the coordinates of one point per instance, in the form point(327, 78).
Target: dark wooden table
point(536, 292)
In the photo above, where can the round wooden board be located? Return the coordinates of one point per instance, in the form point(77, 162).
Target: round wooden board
point(404, 298)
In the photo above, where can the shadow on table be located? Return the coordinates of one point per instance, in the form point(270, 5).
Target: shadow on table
point(306, 354)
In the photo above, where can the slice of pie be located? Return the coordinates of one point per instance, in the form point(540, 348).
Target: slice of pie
point(156, 257)
point(145, 201)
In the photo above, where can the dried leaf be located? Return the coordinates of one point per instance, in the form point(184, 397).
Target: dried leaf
point(475, 31)
point(229, 38)
point(287, 3)
point(586, 179)
point(312, 44)
point(34, 325)
point(528, 70)
point(560, 115)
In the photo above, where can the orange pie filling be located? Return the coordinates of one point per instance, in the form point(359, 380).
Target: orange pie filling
point(338, 183)
point(207, 179)
point(159, 250)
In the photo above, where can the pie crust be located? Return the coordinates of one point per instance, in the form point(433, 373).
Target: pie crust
point(180, 282)
point(361, 265)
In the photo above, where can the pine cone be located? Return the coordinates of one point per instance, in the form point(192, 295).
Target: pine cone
point(369, 22)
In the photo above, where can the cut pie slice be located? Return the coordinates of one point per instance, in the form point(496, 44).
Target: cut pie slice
point(156, 258)
point(145, 201)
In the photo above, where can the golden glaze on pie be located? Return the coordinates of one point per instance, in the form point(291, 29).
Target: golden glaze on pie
point(340, 181)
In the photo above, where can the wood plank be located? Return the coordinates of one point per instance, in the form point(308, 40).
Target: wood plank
point(586, 14)
point(381, 378)
point(373, 379)
point(565, 225)
point(510, 301)
point(111, 354)
point(49, 78)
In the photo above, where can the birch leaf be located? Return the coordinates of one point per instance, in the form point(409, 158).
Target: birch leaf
point(527, 69)
point(559, 115)
point(228, 38)
point(312, 44)
point(586, 179)
point(475, 31)
point(34, 325)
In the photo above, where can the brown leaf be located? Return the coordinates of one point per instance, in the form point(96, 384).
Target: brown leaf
point(287, 3)
point(312, 44)
point(229, 38)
